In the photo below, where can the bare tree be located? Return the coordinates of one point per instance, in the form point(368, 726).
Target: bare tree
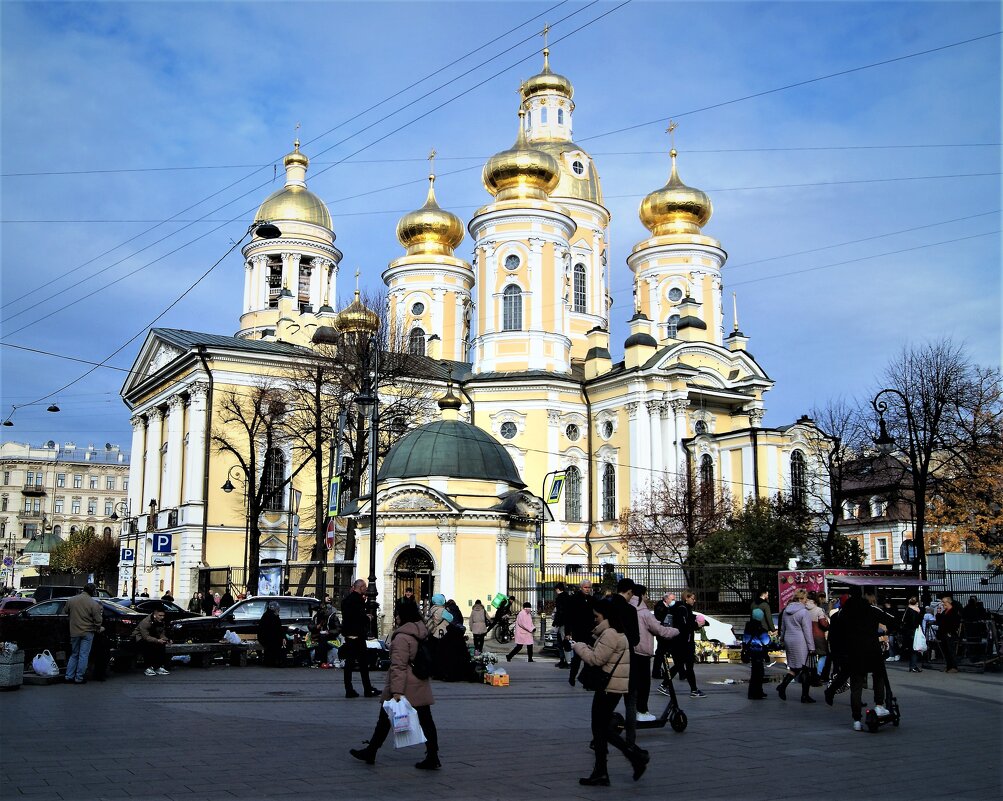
point(672, 517)
point(933, 398)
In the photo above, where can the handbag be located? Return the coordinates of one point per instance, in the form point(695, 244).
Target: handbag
point(44, 665)
point(407, 729)
point(594, 679)
point(919, 643)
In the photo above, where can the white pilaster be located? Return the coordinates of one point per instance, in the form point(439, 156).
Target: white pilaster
point(174, 471)
point(634, 435)
point(194, 469)
point(657, 454)
point(447, 576)
point(137, 465)
point(154, 439)
point(501, 573)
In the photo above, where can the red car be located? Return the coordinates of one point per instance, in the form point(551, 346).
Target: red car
point(12, 605)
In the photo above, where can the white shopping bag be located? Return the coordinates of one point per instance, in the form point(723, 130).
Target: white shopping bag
point(231, 637)
point(44, 665)
point(919, 643)
point(404, 719)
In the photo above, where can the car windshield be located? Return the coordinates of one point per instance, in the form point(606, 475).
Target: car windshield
point(248, 610)
point(114, 607)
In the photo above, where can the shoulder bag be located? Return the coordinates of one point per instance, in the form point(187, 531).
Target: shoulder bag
point(594, 679)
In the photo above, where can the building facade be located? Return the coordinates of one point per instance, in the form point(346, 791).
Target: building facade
point(522, 332)
point(49, 491)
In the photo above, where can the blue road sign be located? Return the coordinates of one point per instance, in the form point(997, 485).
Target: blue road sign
point(162, 543)
point(128, 555)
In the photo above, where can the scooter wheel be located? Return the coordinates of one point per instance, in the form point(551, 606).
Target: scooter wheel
point(677, 720)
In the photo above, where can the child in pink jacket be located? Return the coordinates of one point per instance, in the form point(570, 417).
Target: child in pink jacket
point(524, 631)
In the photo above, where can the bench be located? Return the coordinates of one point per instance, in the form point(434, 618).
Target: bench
point(202, 653)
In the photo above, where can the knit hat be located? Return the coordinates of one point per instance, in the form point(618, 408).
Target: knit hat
point(757, 614)
point(439, 599)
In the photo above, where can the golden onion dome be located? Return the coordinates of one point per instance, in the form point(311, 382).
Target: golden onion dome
point(546, 81)
point(430, 229)
point(675, 208)
point(356, 318)
point(294, 202)
point(522, 171)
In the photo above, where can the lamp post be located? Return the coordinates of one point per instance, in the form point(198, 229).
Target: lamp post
point(886, 444)
point(369, 406)
point(228, 488)
point(648, 553)
point(123, 506)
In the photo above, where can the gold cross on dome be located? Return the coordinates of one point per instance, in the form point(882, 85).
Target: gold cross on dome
point(357, 274)
point(431, 160)
point(545, 32)
point(671, 131)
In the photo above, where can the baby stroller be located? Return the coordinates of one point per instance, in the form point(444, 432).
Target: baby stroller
point(872, 720)
point(672, 714)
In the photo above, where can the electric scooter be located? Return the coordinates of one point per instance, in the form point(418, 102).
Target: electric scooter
point(873, 721)
point(672, 714)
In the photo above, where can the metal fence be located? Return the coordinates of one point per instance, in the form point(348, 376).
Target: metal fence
point(720, 589)
point(986, 585)
point(294, 579)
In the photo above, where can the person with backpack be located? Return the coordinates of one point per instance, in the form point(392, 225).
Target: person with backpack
point(408, 677)
point(755, 641)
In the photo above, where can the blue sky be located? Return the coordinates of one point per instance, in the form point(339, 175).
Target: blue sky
point(218, 88)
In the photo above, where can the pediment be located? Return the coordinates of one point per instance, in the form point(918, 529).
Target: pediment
point(413, 498)
point(162, 355)
point(574, 549)
point(715, 366)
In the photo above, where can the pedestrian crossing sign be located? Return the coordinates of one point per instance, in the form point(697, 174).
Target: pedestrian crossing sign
point(556, 486)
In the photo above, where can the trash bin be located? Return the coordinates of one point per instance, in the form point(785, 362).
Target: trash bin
point(11, 669)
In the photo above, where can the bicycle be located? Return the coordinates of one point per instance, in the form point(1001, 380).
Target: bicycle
point(502, 631)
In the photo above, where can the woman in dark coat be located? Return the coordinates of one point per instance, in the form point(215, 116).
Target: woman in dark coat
point(401, 682)
point(799, 645)
point(912, 619)
point(271, 636)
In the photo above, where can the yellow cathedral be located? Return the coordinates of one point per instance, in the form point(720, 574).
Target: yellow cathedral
point(516, 346)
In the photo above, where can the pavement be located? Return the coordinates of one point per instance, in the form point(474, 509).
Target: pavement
point(257, 733)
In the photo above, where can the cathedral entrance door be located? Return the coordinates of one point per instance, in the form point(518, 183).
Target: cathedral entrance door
point(414, 568)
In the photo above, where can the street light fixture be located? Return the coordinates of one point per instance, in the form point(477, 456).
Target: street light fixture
point(648, 553)
point(228, 487)
point(123, 506)
point(369, 406)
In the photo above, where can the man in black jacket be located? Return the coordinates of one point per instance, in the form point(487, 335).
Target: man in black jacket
point(562, 612)
point(581, 621)
point(683, 648)
point(631, 630)
point(355, 629)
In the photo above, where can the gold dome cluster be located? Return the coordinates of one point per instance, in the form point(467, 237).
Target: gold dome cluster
point(357, 318)
point(294, 202)
point(546, 81)
point(522, 171)
point(430, 229)
point(675, 208)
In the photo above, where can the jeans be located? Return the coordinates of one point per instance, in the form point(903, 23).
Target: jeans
point(154, 653)
point(822, 659)
point(758, 673)
point(857, 686)
point(427, 727)
point(949, 645)
point(479, 642)
point(914, 657)
point(603, 734)
point(76, 668)
point(356, 655)
point(640, 677)
point(682, 665)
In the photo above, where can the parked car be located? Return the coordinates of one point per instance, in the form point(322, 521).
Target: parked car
point(63, 591)
point(718, 631)
point(242, 618)
point(12, 605)
point(46, 626)
point(172, 611)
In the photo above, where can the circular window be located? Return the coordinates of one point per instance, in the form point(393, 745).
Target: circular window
point(675, 294)
point(512, 262)
point(607, 429)
point(700, 427)
point(572, 432)
point(577, 167)
point(508, 430)
point(418, 309)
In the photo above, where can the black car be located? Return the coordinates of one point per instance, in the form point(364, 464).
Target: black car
point(242, 618)
point(44, 593)
point(172, 611)
point(46, 626)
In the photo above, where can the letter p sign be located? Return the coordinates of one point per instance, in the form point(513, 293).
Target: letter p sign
point(162, 543)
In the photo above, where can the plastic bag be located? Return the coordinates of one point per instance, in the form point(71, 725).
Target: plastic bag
point(231, 637)
point(403, 715)
point(44, 665)
point(919, 643)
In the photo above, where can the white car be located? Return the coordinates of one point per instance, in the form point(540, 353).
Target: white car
point(718, 630)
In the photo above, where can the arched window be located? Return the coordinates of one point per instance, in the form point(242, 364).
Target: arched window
point(543, 115)
point(107, 533)
point(560, 116)
point(416, 342)
point(512, 309)
point(799, 479)
point(608, 492)
point(579, 289)
point(672, 326)
point(572, 495)
point(273, 479)
point(706, 481)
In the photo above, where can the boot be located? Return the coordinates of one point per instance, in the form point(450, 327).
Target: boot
point(510, 654)
point(782, 687)
point(598, 778)
point(805, 696)
point(529, 653)
point(638, 760)
point(367, 754)
point(430, 762)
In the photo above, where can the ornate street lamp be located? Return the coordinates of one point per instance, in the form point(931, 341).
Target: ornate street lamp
point(228, 487)
point(369, 406)
point(123, 507)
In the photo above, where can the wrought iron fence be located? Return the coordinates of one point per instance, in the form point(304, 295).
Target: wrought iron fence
point(294, 579)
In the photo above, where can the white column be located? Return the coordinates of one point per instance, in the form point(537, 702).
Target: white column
point(634, 437)
point(332, 285)
point(291, 273)
point(248, 283)
point(657, 454)
point(534, 273)
point(668, 438)
point(436, 317)
point(447, 575)
point(175, 445)
point(679, 407)
point(317, 272)
point(501, 574)
point(456, 351)
point(194, 472)
point(154, 439)
point(259, 283)
point(643, 456)
point(136, 466)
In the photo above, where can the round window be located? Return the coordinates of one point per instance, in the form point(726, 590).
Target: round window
point(418, 309)
point(700, 427)
point(675, 294)
point(577, 167)
point(508, 430)
point(572, 432)
point(607, 429)
point(512, 262)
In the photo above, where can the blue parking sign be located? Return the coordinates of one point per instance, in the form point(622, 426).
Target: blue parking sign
point(128, 555)
point(162, 543)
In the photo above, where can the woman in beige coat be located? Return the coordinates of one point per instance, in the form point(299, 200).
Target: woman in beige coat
point(612, 656)
point(402, 683)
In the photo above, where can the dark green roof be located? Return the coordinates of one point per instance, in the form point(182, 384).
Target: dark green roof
point(44, 544)
point(450, 448)
point(191, 339)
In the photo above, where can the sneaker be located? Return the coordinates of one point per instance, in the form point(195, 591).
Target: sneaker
point(663, 689)
point(698, 694)
point(645, 717)
point(771, 663)
point(163, 672)
point(858, 726)
point(150, 672)
point(880, 711)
